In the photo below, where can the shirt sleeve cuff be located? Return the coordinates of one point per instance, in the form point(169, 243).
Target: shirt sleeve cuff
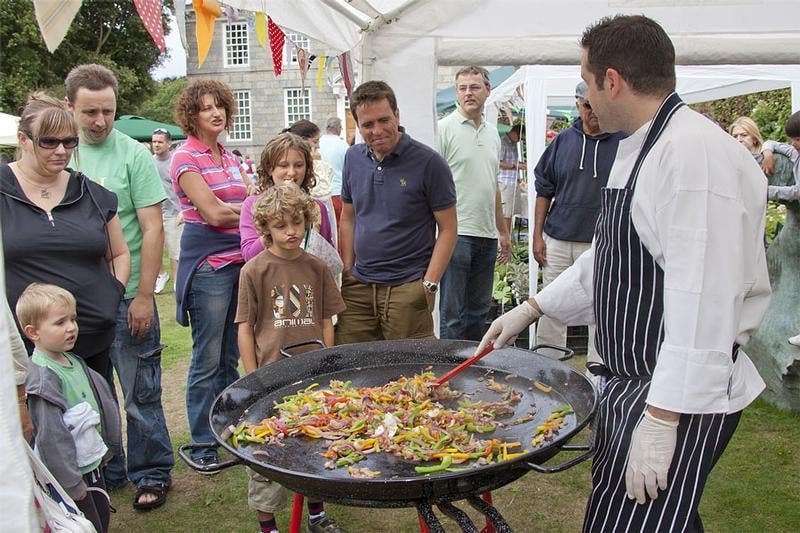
point(691, 381)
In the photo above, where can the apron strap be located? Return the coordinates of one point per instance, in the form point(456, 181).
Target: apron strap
point(668, 107)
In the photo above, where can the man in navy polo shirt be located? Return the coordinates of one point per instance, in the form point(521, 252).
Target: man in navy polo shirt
point(396, 194)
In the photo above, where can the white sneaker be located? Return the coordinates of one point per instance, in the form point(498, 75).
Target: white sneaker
point(795, 340)
point(161, 282)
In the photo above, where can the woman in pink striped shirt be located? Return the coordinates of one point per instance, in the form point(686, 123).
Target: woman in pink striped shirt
point(210, 189)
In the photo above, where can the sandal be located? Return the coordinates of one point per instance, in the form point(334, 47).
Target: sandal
point(157, 490)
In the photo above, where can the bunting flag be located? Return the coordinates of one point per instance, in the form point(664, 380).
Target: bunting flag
point(321, 71)
point(150, 13)
point(261, 29)
point(346, 66)
point(207, 12)
point(276, 42)
point(180, 20)
point(231, 13)
point(302, 62)
point(54, 19)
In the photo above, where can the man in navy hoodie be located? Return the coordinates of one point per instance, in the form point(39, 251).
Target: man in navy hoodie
point(569, 177)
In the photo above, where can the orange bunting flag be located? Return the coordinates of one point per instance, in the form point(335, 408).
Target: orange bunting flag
point(261, 29)
point(276, 41)
point(206, 11)
point(150, 13)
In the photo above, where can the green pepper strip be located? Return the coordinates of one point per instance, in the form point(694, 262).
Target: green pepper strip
point(444, 465)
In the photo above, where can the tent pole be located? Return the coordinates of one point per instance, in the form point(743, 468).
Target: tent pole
point(347, 13)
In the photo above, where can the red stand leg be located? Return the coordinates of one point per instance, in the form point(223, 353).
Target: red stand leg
point(487, 497)
point(297, 514)
point(423, 528)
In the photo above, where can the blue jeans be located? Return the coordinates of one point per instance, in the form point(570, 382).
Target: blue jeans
point(212, 301)
point(466, 289)
point(137, 361)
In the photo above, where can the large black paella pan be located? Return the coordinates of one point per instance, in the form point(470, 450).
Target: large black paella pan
point(298, 466)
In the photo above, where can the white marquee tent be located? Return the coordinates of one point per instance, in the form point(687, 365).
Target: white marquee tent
point(8, 130)
point(403, 41)
point(724, 47)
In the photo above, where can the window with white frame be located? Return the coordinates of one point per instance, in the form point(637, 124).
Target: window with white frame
point(235, 48)
point(292, 39)
point(242, 129)
point(298, 105)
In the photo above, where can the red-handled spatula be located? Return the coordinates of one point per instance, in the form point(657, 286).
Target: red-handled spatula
point(462, 366)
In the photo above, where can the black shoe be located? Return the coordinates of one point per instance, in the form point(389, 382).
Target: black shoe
point(206, 462)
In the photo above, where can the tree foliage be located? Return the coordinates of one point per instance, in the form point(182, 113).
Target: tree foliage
point(160, 105)
point(769, 109)
point(108, 32)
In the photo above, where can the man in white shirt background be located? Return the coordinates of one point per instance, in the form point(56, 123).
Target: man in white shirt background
point(332, 149)
point(676, 280)
point(161, 141)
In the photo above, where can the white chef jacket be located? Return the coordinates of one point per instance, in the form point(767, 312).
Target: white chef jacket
point(699, 208)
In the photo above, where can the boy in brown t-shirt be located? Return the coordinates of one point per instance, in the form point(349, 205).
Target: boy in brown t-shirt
point(286, 296)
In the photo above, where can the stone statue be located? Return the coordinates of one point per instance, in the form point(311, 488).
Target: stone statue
point(776, 359)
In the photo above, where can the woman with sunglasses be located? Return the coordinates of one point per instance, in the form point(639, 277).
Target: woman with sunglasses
point(59, 227)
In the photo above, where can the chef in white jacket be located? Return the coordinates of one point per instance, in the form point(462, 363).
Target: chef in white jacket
point(675, 281)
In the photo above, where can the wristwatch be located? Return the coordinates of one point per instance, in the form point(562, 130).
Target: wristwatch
point(430, 286)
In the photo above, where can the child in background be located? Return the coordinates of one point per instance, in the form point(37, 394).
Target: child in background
point(287, 157)
point(286, 296)
point(75, 419)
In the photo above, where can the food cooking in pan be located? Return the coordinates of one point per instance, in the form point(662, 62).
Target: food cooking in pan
point(411, 418)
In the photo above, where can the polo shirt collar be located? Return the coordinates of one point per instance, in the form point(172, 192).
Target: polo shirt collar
point(195, 144)
point(462, 119)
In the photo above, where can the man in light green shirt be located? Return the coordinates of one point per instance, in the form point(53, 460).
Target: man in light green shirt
point(126, 167)
point(472, 149)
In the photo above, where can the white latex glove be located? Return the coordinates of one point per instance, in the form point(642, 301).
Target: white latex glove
point(652, 447)
point(505, 328)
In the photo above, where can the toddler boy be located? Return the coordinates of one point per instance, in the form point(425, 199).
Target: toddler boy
point(75, 419)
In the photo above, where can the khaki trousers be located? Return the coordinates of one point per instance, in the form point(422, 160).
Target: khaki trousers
point(383, 312)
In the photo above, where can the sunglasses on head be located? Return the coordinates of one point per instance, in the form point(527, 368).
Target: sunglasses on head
point(51, 143)
point(159, 130)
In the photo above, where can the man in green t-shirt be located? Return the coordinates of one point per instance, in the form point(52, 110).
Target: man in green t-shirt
point(126, 167)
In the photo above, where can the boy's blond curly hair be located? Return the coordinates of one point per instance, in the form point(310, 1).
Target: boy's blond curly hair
point(279, 201)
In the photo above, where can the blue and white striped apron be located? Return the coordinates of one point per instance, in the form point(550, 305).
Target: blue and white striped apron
point(629, 313)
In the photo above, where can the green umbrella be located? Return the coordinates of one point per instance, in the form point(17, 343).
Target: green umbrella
point(141, 128)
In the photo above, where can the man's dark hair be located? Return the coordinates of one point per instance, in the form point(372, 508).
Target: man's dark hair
point(474, 69)
point(92, 77)
point(792, 127)
point(369, 92)
point(636, 47)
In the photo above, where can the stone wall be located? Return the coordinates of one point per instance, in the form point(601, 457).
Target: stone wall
point(267, 96)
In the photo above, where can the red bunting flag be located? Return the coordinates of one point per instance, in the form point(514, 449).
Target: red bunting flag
point(150, 13)
point(276, 41)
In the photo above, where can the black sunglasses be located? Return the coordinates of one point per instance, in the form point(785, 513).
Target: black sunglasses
point(586, 106)
point(51, 143)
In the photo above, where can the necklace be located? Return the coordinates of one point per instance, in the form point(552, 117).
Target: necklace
point(44, 191)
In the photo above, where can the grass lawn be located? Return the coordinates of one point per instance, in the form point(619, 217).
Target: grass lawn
point(754, 488)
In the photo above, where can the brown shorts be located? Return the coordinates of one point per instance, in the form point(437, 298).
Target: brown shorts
point(382, 312)
point(265, 495)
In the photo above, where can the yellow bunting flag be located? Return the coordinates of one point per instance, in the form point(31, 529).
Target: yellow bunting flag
point(261, 29)
point(321, 72)
point(207, 12)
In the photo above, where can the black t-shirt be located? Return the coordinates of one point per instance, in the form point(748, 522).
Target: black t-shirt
point(66, 247)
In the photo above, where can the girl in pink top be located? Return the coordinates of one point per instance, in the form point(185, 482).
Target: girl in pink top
point(286, 157)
